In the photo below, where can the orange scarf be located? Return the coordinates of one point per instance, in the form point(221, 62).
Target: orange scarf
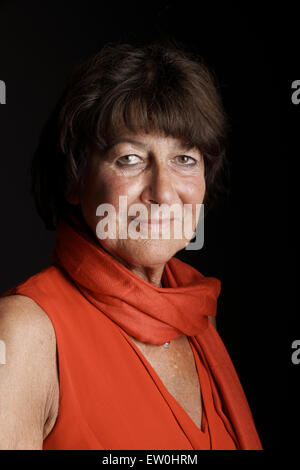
point(146, 312)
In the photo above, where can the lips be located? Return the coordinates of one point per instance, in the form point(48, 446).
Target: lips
point(154, 221)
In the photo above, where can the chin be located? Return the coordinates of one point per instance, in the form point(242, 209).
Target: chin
point(144, 252)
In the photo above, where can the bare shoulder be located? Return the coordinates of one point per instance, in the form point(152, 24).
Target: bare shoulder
point(24, 324)
point(22, 309)
point(28, 378)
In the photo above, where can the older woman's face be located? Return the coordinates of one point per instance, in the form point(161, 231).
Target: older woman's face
point(151, 170)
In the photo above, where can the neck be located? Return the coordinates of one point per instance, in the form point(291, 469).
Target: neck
point(151, 274)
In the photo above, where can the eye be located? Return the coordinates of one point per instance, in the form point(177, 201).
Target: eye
point(185, 160)
point(128, 160)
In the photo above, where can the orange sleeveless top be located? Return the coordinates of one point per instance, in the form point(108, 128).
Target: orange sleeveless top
point(109, 396)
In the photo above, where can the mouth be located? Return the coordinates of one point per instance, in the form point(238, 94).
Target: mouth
point(155, 222)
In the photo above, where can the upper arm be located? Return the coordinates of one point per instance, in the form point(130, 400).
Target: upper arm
point(28, 377)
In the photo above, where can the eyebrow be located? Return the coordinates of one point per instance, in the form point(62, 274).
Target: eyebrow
point(140, 144)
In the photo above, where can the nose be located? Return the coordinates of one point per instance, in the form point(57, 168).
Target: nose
point(159, 187)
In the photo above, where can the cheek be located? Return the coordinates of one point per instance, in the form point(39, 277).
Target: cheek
point(193, 196)
point(194, 190)
point(98, 187)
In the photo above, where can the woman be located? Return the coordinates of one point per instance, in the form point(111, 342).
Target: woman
point(114, 345)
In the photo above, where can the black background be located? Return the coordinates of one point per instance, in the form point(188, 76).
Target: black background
point(252, 48)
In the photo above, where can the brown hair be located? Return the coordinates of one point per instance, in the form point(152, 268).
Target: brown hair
point(156, 87)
